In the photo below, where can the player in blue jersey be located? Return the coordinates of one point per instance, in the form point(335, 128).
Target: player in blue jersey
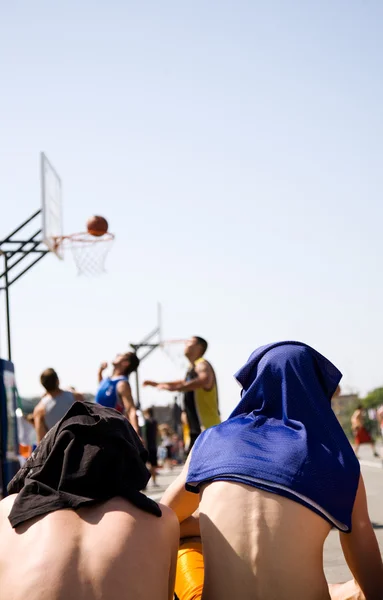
point(115, 392)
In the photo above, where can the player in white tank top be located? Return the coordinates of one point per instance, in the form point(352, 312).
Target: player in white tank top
point(54, 404)
point(56, 407)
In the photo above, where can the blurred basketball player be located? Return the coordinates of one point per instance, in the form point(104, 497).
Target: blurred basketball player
point(115, 391)
point(361, 435)
point(150, 437)
point(379, 416)
point(199, 387)
point(53, 405)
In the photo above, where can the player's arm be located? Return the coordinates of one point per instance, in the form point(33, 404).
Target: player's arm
point(78, 397)
point(204, 379)
point(173, 536)
point(101, 370)
point(125, 393)
point(345, 591)
point(39, 421)
point(190, 527)
point(171, 386)
point(183, 503)
point(361, 550)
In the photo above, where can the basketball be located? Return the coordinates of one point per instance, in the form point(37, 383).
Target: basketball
point(97, 226)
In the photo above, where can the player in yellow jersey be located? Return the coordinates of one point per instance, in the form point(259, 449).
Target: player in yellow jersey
point(200, 403)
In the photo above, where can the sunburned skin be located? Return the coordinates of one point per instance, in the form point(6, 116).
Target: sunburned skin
point(96, 553)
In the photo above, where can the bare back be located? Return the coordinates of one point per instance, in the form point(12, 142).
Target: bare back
point(271, 548)
point(357, 419)
point(112, 550)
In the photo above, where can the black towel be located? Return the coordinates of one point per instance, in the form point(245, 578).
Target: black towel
point(93, 454)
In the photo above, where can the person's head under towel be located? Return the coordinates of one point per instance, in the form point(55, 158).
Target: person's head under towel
point(272, 480)
point(76, 522)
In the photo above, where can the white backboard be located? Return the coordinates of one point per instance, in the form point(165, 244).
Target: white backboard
point(51, 196)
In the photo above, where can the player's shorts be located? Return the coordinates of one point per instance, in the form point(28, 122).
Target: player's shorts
point(190, 571)
point(362, 436)
point(169, 452)
point(152, 460)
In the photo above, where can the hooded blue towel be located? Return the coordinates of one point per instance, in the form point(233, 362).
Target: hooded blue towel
point(283, 437)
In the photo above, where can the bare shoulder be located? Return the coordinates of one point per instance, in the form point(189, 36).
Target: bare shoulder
point(39, 408)
point(170, 525)
point(123, 386)
point(6, 505)
point(119, 506)
point(204, 365)
point(169, 517)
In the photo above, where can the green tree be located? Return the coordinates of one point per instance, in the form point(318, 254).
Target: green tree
point(373, 398)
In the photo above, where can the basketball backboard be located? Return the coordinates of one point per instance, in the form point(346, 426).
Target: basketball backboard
point(51, 197)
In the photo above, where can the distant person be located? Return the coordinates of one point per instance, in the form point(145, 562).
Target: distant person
point(200, 390)
point(167, 445)
point(26, 434)
point(176, 417)
point(379, 416)
point(76, 524)
point(178, 455)
point(271, 482)
point(53, 405)
point(115, 391)
point(361, 435)
point(150, 438)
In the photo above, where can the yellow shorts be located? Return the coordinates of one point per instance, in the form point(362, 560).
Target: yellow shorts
point(190, 571)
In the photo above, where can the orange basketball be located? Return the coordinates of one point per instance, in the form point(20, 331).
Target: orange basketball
point(97, 226)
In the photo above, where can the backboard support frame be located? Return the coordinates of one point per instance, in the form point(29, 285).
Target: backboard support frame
point(14, 251)
point(148, 344)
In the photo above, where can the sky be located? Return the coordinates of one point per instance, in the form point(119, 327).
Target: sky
point(235, 148)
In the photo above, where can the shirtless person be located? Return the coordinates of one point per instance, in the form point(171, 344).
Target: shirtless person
point(79, 528)
point(379, 416)
point(361, 435)
point(270, 484)
point(115, 391)
point(200, 390)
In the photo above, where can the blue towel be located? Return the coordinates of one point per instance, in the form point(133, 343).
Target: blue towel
point(283, 436)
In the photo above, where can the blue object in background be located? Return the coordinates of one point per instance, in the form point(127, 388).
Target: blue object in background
point(9, 461)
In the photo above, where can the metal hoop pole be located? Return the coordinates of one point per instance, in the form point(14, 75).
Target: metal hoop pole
point(7, 307)
point(138, 403)
point(36, 214)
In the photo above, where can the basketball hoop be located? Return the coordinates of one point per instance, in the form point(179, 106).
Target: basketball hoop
point(174, 350)
point(89, 251)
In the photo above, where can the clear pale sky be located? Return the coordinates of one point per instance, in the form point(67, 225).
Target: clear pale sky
point(236, 149)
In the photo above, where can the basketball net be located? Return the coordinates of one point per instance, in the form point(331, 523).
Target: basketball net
point(89, 252)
